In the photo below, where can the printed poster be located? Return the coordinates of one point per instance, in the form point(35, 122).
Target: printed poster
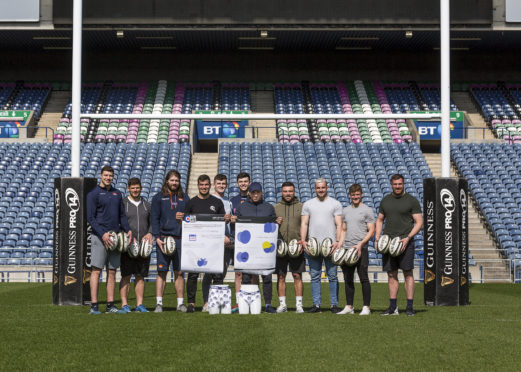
point(203, 244)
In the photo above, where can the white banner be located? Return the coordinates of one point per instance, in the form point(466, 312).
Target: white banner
point(202, 245)
point(256, 247)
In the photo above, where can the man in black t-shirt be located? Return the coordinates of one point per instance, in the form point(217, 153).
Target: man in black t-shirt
point(403, 218)
point(203, 203)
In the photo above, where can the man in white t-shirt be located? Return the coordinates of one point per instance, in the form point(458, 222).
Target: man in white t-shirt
point(321, 219)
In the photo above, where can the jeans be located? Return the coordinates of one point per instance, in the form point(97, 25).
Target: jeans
point(315, 270)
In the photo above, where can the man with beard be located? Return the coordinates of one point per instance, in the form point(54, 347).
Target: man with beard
point(289, 209)
point(168, 207)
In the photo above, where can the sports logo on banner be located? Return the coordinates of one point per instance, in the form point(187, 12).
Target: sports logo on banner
point(256, 244)
point(203, 244)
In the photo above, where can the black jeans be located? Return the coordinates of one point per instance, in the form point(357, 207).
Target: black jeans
point(349, 274)
point(267, 286)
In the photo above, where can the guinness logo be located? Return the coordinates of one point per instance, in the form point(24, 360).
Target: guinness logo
point(445, 280)
point(86, 275)
point(55, 279)
point(463, 281)
point(70, 280)
point(429, 276)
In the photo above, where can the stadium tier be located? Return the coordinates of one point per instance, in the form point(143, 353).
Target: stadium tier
point(500, 105)
point(493, 172)
point(24, 96)
point(341, 164)
point(356, 97)
point(27, 173)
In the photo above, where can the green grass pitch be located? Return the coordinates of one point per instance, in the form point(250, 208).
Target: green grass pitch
point(486, 335)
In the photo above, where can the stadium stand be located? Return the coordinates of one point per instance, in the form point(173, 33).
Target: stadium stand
point(27, 173)
point(493, 174)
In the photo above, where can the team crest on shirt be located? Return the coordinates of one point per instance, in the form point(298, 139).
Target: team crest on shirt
point(212, 208)
point(114, 193)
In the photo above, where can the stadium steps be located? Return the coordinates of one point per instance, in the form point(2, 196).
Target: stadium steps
point(262, 103)
point(465, 103)
point(481, 246)
point(202, 163)
point(53, 113)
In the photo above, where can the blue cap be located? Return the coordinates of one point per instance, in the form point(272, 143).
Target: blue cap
point(255, 186)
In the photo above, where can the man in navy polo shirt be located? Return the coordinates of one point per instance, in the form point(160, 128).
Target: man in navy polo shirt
point(105, 212)
point(168, 207)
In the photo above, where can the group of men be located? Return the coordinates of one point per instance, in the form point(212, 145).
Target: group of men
point(321, 217)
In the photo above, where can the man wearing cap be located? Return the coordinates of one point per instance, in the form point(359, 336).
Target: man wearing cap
point(255, 206)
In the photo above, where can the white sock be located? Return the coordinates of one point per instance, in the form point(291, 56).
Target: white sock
point(179, 301)
point(236, 297)
point(159, 300)
point(299, 300)
point(282, 300)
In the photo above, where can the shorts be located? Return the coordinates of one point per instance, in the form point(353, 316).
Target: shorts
point(100, 257)
point(405, 261)
point(137, 266)
point(296, 265)
point(163, 261)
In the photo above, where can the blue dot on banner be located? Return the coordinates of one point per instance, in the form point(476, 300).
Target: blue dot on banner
point(268, 247)
point(244, 236)
point(270, 227)
point(202, 262)
point(242, 256)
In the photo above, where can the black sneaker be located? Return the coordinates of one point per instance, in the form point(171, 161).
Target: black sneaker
point(390, 311)
point(270, 309)
point(410, 311)
point(315, 309)
point(190, 308)
point(335, 309)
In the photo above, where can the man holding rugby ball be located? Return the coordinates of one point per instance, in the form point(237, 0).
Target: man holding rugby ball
point(403, 218)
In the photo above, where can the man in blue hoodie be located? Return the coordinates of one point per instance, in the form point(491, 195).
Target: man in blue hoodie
point(105, 212)
point(167, 214)
point(255, 206)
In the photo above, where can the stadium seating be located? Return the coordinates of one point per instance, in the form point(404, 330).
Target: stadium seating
point(341, 164)
point(493, 172)
point(501, 109)
point(27, 173)
point(24, 96)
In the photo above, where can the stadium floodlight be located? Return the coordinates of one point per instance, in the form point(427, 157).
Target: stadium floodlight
point(264, 33)
point(408, 34)
point(120, 34)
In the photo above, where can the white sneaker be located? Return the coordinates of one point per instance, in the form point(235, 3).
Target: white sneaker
point(205, 308)
point(365, 311)
point(300, 309)
point(282, 309)
point(347, 310)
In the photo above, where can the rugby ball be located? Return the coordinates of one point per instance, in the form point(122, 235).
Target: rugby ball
point(169, 245)
point(313, 248)
point(133, 249)
point(395, 247)
point(294, 248)
point(114, 240)
point(122, 241)
point(145, 248)
point(383, 244)
point(339, 256)
point(351, 257)
point(325, 247)
point(282, 248)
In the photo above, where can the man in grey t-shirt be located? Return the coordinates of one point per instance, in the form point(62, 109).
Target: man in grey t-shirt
point(322, 218)
point(358, 228)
